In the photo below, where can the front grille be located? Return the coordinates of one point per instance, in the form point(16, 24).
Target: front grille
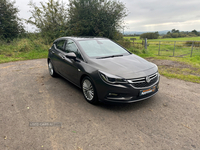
point(142, 83)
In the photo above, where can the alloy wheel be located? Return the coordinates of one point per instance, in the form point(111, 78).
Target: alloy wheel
point(88, 90)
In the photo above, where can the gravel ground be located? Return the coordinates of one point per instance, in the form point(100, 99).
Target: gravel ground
point(30, 97)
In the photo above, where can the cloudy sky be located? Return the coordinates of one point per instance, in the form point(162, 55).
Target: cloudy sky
point(148, 15)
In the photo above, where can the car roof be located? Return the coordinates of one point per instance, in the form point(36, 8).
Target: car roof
point(80, 38)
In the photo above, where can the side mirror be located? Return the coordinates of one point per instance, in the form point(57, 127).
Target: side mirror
point(71, 55)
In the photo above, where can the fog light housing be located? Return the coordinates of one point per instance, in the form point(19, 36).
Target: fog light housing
point(113, 94)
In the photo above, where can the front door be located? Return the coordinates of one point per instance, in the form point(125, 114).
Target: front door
point(69, 67)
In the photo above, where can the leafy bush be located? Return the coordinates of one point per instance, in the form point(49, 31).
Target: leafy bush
point(167, 36)
point(192, 34)
point(189, 43)
point(149, 35)
point(125, 43)
point(138, 51)
point(176, 34)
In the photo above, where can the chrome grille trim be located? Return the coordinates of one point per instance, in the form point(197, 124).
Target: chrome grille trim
point(140, 83)
point(136, 80)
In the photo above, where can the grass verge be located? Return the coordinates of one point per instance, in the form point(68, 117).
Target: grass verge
point(188, 68)
point(23, 49)
point(187, 74)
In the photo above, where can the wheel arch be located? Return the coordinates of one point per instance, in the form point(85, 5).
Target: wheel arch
point(81, 79)
point(48, 60)
point(94, 86)
point(93, 82)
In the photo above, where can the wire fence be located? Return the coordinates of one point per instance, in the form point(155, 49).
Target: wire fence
point(170, 48)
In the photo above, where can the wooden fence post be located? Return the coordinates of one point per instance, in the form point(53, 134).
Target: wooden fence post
point(192, 49)
point(145, 43)
point(133, 39)
point(159, 49)
point(174, 48)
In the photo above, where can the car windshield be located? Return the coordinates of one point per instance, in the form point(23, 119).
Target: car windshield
point(102, 48)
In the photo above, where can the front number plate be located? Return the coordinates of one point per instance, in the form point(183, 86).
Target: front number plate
point(147, 91)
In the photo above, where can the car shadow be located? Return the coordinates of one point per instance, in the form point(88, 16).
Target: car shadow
point(127, 107)
point(105, 106)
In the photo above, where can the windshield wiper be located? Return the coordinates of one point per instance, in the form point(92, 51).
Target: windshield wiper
point(109, 56)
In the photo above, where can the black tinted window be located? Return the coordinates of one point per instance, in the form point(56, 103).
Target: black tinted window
point(71, 47)
point(60, 45)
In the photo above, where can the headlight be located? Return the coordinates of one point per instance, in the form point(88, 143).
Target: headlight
point(111, 78)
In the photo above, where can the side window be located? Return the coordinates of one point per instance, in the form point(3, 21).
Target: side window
point(71, 47)
point(60, 45)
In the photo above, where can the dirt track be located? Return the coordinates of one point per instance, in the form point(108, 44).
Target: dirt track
point(170, 120)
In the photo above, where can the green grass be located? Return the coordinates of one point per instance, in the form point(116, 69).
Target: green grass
point(182, 51)
point(191, 74)
point(183, 74)
point(23, 49)
point(182, 54)
point(178, 39)
point(137, 38)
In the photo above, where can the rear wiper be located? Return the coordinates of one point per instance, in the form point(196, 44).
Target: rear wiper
point(109, 56)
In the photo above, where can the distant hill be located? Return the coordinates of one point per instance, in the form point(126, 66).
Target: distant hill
point(138, 33)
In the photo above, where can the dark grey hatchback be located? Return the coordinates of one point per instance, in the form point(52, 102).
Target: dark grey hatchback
point(103, 70)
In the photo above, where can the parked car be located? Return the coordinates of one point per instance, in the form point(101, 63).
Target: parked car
point(104, 70)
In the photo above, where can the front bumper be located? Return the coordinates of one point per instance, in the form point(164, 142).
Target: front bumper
point(129, 99)
point(123, 93)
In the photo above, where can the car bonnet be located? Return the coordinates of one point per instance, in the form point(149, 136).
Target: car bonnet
point(131, 66)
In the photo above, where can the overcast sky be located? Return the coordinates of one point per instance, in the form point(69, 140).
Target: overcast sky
point(147, 15)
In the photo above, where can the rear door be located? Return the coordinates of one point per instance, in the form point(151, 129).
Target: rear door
point(58, 54)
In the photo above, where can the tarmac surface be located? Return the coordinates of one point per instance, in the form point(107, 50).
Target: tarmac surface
point(38, 112)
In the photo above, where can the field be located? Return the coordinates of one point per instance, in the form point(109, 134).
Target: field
point(167, 39)
point(186, 67)
point(182, 49)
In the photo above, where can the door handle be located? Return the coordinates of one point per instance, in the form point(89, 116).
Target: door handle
point(63, 57)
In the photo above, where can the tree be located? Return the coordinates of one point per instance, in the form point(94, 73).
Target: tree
point(10, 24)
point(175, 31)
point(168, 32)
point(96, 17)
point(195, 32)
point(50, 18)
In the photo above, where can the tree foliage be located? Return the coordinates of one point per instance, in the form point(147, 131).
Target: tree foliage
point(195, 32)
point(10, 24)
point(81, 18)
point(176, 34)
point(96, 17)
point(154, 35)
point(50, 18)
point(175, 31)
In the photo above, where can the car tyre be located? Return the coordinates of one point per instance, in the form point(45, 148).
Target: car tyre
point(51, 69)
point(89, 91)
